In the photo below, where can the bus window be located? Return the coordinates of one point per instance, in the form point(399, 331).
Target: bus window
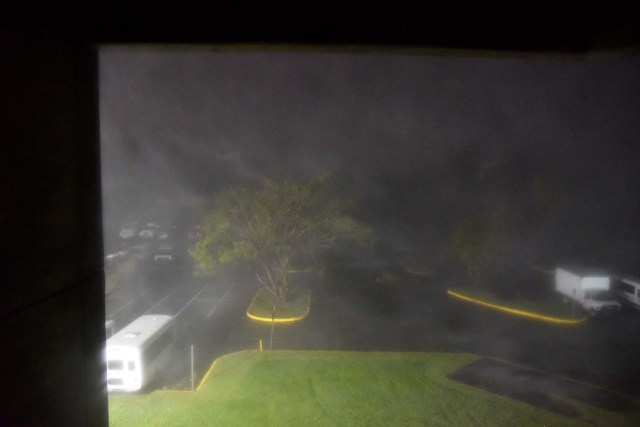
point(115, 365)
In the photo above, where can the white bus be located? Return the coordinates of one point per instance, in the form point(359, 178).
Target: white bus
point(138, 352)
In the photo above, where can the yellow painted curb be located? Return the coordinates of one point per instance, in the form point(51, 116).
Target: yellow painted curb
point(213, 365)
point(278, 319)
point(518, 312)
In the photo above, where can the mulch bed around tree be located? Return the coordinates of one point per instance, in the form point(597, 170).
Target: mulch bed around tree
point(537, 388)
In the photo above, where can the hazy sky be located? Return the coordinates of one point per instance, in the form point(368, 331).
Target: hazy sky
point(177, 126)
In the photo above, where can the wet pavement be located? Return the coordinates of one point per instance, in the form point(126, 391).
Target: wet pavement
point(539, 389)
point(358, 312)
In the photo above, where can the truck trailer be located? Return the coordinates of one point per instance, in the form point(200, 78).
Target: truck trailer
point(590, 291)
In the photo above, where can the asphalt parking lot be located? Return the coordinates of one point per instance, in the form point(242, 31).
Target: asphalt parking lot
point(205, 309)
point(416, 315)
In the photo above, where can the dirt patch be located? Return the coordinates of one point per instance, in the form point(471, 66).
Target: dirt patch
point(538, 389)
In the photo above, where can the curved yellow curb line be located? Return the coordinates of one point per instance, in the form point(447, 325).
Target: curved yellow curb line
point(518, 312)
point(278, 319)
point(213, 365)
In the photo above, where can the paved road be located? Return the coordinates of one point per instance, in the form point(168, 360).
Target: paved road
point(414, 314)
point(205, 310)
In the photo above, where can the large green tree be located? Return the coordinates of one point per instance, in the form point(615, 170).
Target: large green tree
point(276, 229)
point(477, 240)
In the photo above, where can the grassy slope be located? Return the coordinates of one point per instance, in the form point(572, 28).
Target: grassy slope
point(286, 388)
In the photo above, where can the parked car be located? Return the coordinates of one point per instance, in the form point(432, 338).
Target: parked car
point(164, 253)
point(128, 229)
point(149, 230)
point(166, 232)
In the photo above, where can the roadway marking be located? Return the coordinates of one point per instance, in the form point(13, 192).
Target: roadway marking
point(191, 300)
point(220, 299)
point(126, 305)
point(161, 301)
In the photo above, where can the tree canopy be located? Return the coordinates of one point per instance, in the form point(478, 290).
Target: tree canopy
point(275, 229)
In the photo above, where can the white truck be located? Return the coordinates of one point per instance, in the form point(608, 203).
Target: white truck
point(589, 290)
point(627, 289)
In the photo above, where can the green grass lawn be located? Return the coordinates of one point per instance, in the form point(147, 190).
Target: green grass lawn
point(296, 388)
point(554, 307)
point(297, 305)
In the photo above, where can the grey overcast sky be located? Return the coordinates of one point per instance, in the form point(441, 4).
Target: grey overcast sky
point(178, 125)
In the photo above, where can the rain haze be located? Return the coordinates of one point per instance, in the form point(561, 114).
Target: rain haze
point(478, 173)
point(414, 133)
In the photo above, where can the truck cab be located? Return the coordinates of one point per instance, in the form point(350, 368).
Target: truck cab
point(599, 301)
point(589, 289)
point(628, 291)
